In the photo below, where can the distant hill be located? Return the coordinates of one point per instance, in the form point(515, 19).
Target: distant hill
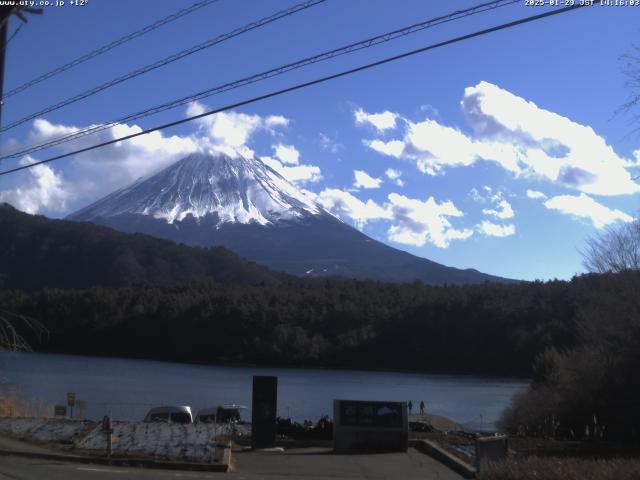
point(247, 207)
point(37, 252)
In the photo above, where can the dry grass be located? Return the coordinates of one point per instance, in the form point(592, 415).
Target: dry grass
point(34, 408)
point(539, 468)
point(546, 447)
point(7, 407)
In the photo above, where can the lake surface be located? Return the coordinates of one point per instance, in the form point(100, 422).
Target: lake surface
point(130, 387)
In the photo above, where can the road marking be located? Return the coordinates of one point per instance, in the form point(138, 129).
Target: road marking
point(101, 470)
point(160, 474)
point(187, 475)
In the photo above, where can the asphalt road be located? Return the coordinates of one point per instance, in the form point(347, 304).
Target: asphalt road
point(19, 468)
point(308, 465)
point(322, 464)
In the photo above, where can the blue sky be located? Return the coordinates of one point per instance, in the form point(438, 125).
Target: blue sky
point(502, 153)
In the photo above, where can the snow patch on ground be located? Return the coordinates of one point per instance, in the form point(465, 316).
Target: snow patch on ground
point(191, 442)
point(42, 430)
point(175, 441)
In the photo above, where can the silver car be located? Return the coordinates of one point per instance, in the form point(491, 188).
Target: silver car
point(170, 414)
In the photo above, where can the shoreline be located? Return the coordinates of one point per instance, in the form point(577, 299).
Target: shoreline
point(240, 365)
point(464, 399)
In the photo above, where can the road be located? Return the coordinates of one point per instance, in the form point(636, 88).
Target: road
point(18, 468)
point(322, 464)
point(305, 464)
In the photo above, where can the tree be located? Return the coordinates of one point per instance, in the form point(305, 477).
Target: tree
point(11, 336)
point(631, 70)
point(615, 250)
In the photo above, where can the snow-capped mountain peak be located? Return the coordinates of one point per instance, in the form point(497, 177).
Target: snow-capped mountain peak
point(236, 190)
point(241, 203)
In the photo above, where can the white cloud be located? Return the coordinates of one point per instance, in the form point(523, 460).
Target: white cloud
point(413, 221)
point(287, 154)
point(490, 195)
point(381, 121)
point(520, 137)
point(364, 180)
point(394, 176)
point(477, 196)
point(502, 208)
point(295, 174)
point(93, 174)
point(535, 194)
point(430, 110)
point(230, 132)
point(227, 129)
point(436, 146)
point(43, 189)
point(393, 148)
point(98, 172)
point(343, 203)
point(44, 130)
point(495, 230)
point(416, 222)
point(585, 207)
point(502, 211)
point(551, 145)
point(273, 121)
point(328, 144)
point(287, 164)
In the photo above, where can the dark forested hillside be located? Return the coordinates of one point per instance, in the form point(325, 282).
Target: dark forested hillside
point(36, 252)
point(490, 328)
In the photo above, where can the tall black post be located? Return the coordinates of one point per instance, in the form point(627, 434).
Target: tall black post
point(4, 28)
point(263, 411)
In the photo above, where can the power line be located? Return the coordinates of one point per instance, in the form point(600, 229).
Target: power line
point(167, 60)
point(300, 86)
point(110, 46)
point(12, 36)
point(353, 47)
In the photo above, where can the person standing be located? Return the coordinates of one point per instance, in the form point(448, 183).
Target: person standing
point(410, 405)
point(422, 407)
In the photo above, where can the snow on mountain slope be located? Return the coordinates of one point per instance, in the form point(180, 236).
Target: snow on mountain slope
point(238, 190)
point(244, 205)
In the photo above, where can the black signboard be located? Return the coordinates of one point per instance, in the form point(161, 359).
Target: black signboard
point(60, 411)
point(263, 411)
point(370, 414)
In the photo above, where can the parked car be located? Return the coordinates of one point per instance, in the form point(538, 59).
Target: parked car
point(179, 414)
point(220, 414)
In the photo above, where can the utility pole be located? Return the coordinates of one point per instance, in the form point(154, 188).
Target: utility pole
point(5, 13)
point(4, 19)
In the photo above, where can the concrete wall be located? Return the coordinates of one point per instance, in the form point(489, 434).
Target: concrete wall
point(372, 428)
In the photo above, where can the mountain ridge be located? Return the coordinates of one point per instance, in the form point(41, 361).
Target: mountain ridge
point(37, 252)
point(247, 207)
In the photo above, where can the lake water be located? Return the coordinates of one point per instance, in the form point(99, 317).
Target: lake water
point(130, 387)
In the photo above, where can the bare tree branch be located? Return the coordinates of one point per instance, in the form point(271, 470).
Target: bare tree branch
point(631, 70)
point(615, 250)
point(11, 325)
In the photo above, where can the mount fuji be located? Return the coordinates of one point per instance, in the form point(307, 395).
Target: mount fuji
point(244, 205)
